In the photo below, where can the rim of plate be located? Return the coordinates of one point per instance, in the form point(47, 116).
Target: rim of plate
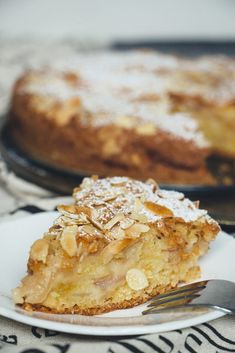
point(110, 330)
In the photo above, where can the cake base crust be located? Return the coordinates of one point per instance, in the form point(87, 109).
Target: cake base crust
point(126, 304)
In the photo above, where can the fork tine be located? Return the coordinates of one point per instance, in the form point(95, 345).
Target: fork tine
point(189, 287)
point(178, 302)
point(162, 301)
point(169, 307)
point(174, 295)
point(218, 294)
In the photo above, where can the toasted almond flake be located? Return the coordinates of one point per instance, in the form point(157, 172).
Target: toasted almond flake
point(138, 205)
point(54, 230)
point(110, 197)
point(139, 217)
point(96, 223)
point(117, 233)
point(74, 210)
point(89, 229)
point(197, 203)
point(94, 213)
point(126, 223)
point(67, 209)
point(59, 222)
point(136, 229)
point(153, 183)
point(39, 250)
point(68, 240)
point(63, 221)
point(118, 181)
point(86, 183)
point(159, 210)
point(117, 218)
point(136, 212)
point(136, 279)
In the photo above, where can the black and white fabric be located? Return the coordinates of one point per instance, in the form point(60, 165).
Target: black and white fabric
point(19, 198)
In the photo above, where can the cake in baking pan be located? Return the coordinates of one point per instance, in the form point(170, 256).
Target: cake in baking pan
point(141, 114)
point(120, 243)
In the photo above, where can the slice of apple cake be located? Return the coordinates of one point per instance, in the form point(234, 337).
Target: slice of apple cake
point(120, 243)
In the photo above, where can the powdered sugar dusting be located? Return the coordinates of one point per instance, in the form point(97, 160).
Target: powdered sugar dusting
point(117, 195)
point(135, 85)
point(113, 86)
point(54, 86)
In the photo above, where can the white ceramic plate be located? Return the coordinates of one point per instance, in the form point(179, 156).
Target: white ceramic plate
point(17, 236)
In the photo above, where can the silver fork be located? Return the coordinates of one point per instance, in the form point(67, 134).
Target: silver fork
point(215, 293)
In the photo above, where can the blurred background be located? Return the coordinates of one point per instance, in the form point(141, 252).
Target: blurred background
point(35, 32)
point(123, 20)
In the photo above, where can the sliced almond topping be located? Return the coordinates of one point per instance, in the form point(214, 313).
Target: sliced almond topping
point(117, 218)
point(139, 217)
point(63, 221)
point(86, 183)
point(110, 197)
point(136, 279)
point(136, 229)
point(39, 250)
point(118, 181)
point(96, 223)
point(126, 223)
point(94, 213)
point(54, 230)
point(153, 184)
point(138, 205)
point(59, 221)
point(90, 230)
point(136, 213)
point(68, 240)
point(74, 209)
point(197, 203)
point(65, 209)
point(117, 233)
point(159, 210)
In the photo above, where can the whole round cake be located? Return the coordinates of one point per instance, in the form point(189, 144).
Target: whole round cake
point(140, 114)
